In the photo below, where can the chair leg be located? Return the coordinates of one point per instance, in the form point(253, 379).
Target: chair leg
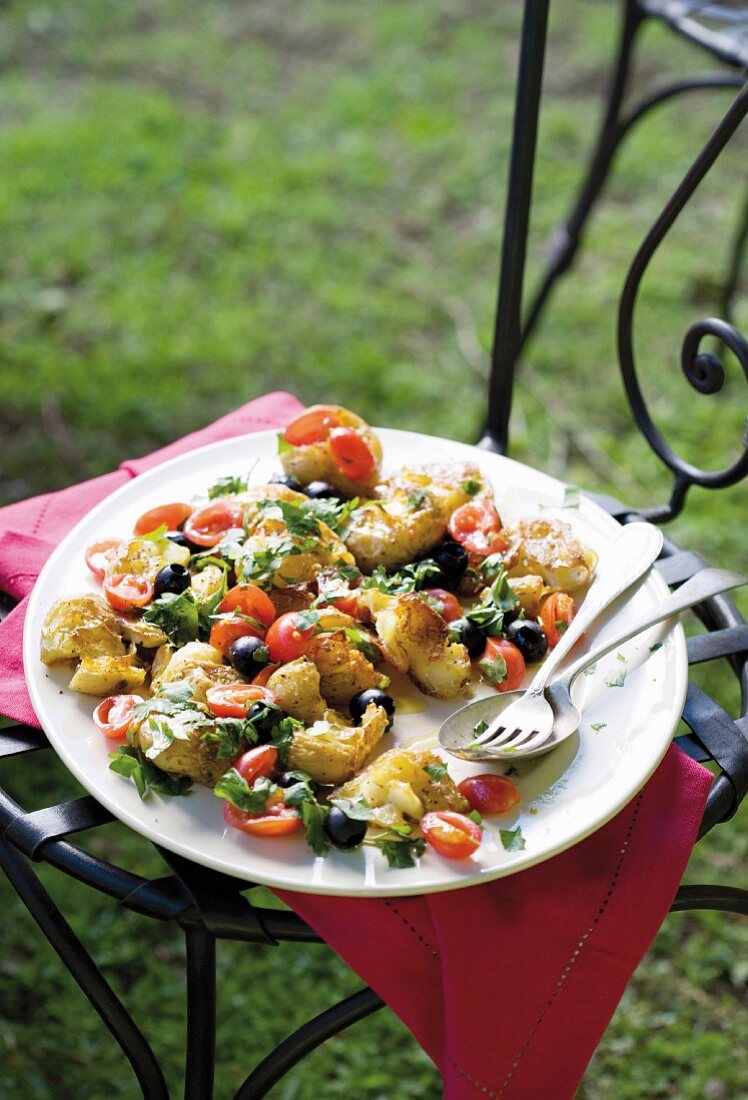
point(201, 1013)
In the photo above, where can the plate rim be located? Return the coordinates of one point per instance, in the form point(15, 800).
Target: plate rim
point(225, 866)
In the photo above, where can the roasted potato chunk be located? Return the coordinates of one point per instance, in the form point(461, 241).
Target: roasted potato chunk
point(332, 752)
point(199, 665)
point(398, 788)
point(415, 639)
point(107, 675)
point(529, 591)
point(343, 669)
point(549, 549)
point(316, 462)
point(296, 686)
point(187, 753)
point(84, 626)
point(448, 486)
point(296, 597)
point(393, 532)
point(147, 558)
point(301, 558)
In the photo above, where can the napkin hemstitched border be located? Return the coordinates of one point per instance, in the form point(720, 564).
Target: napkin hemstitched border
point(411, 927)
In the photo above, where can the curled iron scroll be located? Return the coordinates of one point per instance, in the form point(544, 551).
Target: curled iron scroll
point(704, 370)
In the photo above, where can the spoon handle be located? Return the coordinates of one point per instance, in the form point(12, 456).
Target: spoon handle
point(625, 561)
point(702, 586)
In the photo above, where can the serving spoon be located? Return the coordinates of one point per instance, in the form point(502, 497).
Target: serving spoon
point(457, 735)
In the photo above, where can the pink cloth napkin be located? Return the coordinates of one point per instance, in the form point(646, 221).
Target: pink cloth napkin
point(507, 986)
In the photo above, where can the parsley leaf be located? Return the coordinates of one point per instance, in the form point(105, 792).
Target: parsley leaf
point(177, 615)
point(358, 808)
point(399, 850)
point(283, 446)
point(156, 535)
point(493, 668)
point(282, 735)
point(480, 727)
point(598, 726)
point(364, 643)
point(130, 763)
point(615, 681)
point(476, 816)
point(512, 839)
point(418, 499)
point(223, 486)
point(495, 602)
point(436, 771)
point(655, 647)
point(410, 578)
point(236, 790)
point(472, 486)
point(313, 815)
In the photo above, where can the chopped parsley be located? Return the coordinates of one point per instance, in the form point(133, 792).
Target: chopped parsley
point(235, 789)
point(177, 615)
point(655, 647)
point(493, 668)
point(131, 763)
point(410, 578)
point(495, 602)
point(436, 771)
point(418, 500)
point(472, 486)
point(617, 680)
point(572, 496)
point(399, 848)
point(598, 726)
point(512, 839)
point(224, 486)
point(363, 643)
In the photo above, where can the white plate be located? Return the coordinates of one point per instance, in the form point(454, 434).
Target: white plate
point(566, 795)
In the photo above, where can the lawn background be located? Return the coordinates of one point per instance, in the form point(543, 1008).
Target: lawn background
point(203, 201)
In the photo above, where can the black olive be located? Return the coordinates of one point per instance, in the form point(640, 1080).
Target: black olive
point(180, 539)
point(452, 560)
point(511, 617)
point(529, 639)
point(468, 634)
point(321, 489)
point(289, 482)
point(358, 704)
point(172, 578)
point(343, 831)
point(248, 655)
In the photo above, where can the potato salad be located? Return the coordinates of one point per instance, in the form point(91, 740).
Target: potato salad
point(248, 640)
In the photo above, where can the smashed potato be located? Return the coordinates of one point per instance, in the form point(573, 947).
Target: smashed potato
point(550, 549)
point(415, 639)
point(398, 787)
point(331, 751)
point(316, 461)
point(343, 669)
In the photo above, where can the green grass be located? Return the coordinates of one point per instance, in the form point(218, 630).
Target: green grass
point(200, 202)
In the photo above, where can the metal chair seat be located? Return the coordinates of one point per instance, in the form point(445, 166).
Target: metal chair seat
point(722, 29)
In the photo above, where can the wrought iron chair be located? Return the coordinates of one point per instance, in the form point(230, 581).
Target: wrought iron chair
point(208, 906)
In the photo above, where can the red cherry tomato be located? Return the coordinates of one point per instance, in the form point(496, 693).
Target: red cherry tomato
point(225, 631)
point(171, 515)
point(286, 639)
point(234, 700)
point(124, 591)
point(249, 600)
point(450, 834)
point(208, 525)
point(277, 819)
point(477, 526)
point(348, 605)
point(490, 794)
point(502, 664)
point(264, 675)
point(556, 614)
point(351, 453)
point(252, 764)
point(449, 606)
point(311, 426)
point(113, 715)
point(99, 554)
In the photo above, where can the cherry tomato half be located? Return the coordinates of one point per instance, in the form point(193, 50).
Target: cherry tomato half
point(286, 639)
point(99, 554)
point(311, 426)
point(277, 819)
point(255, 762)
point(113, 715)
point(556, 614)
point(124, 591)
point(490, 794)
point(225, 631)
point(351, 453)
point(502, 664)
point(249, 600)
point(208, 525)
point(477, 526)
point(171, 515)
point(234, 700)
point(450, 834)
point(449, 606)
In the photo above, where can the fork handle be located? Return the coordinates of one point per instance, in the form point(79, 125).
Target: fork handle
point(626, 560)
point(702, 586)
